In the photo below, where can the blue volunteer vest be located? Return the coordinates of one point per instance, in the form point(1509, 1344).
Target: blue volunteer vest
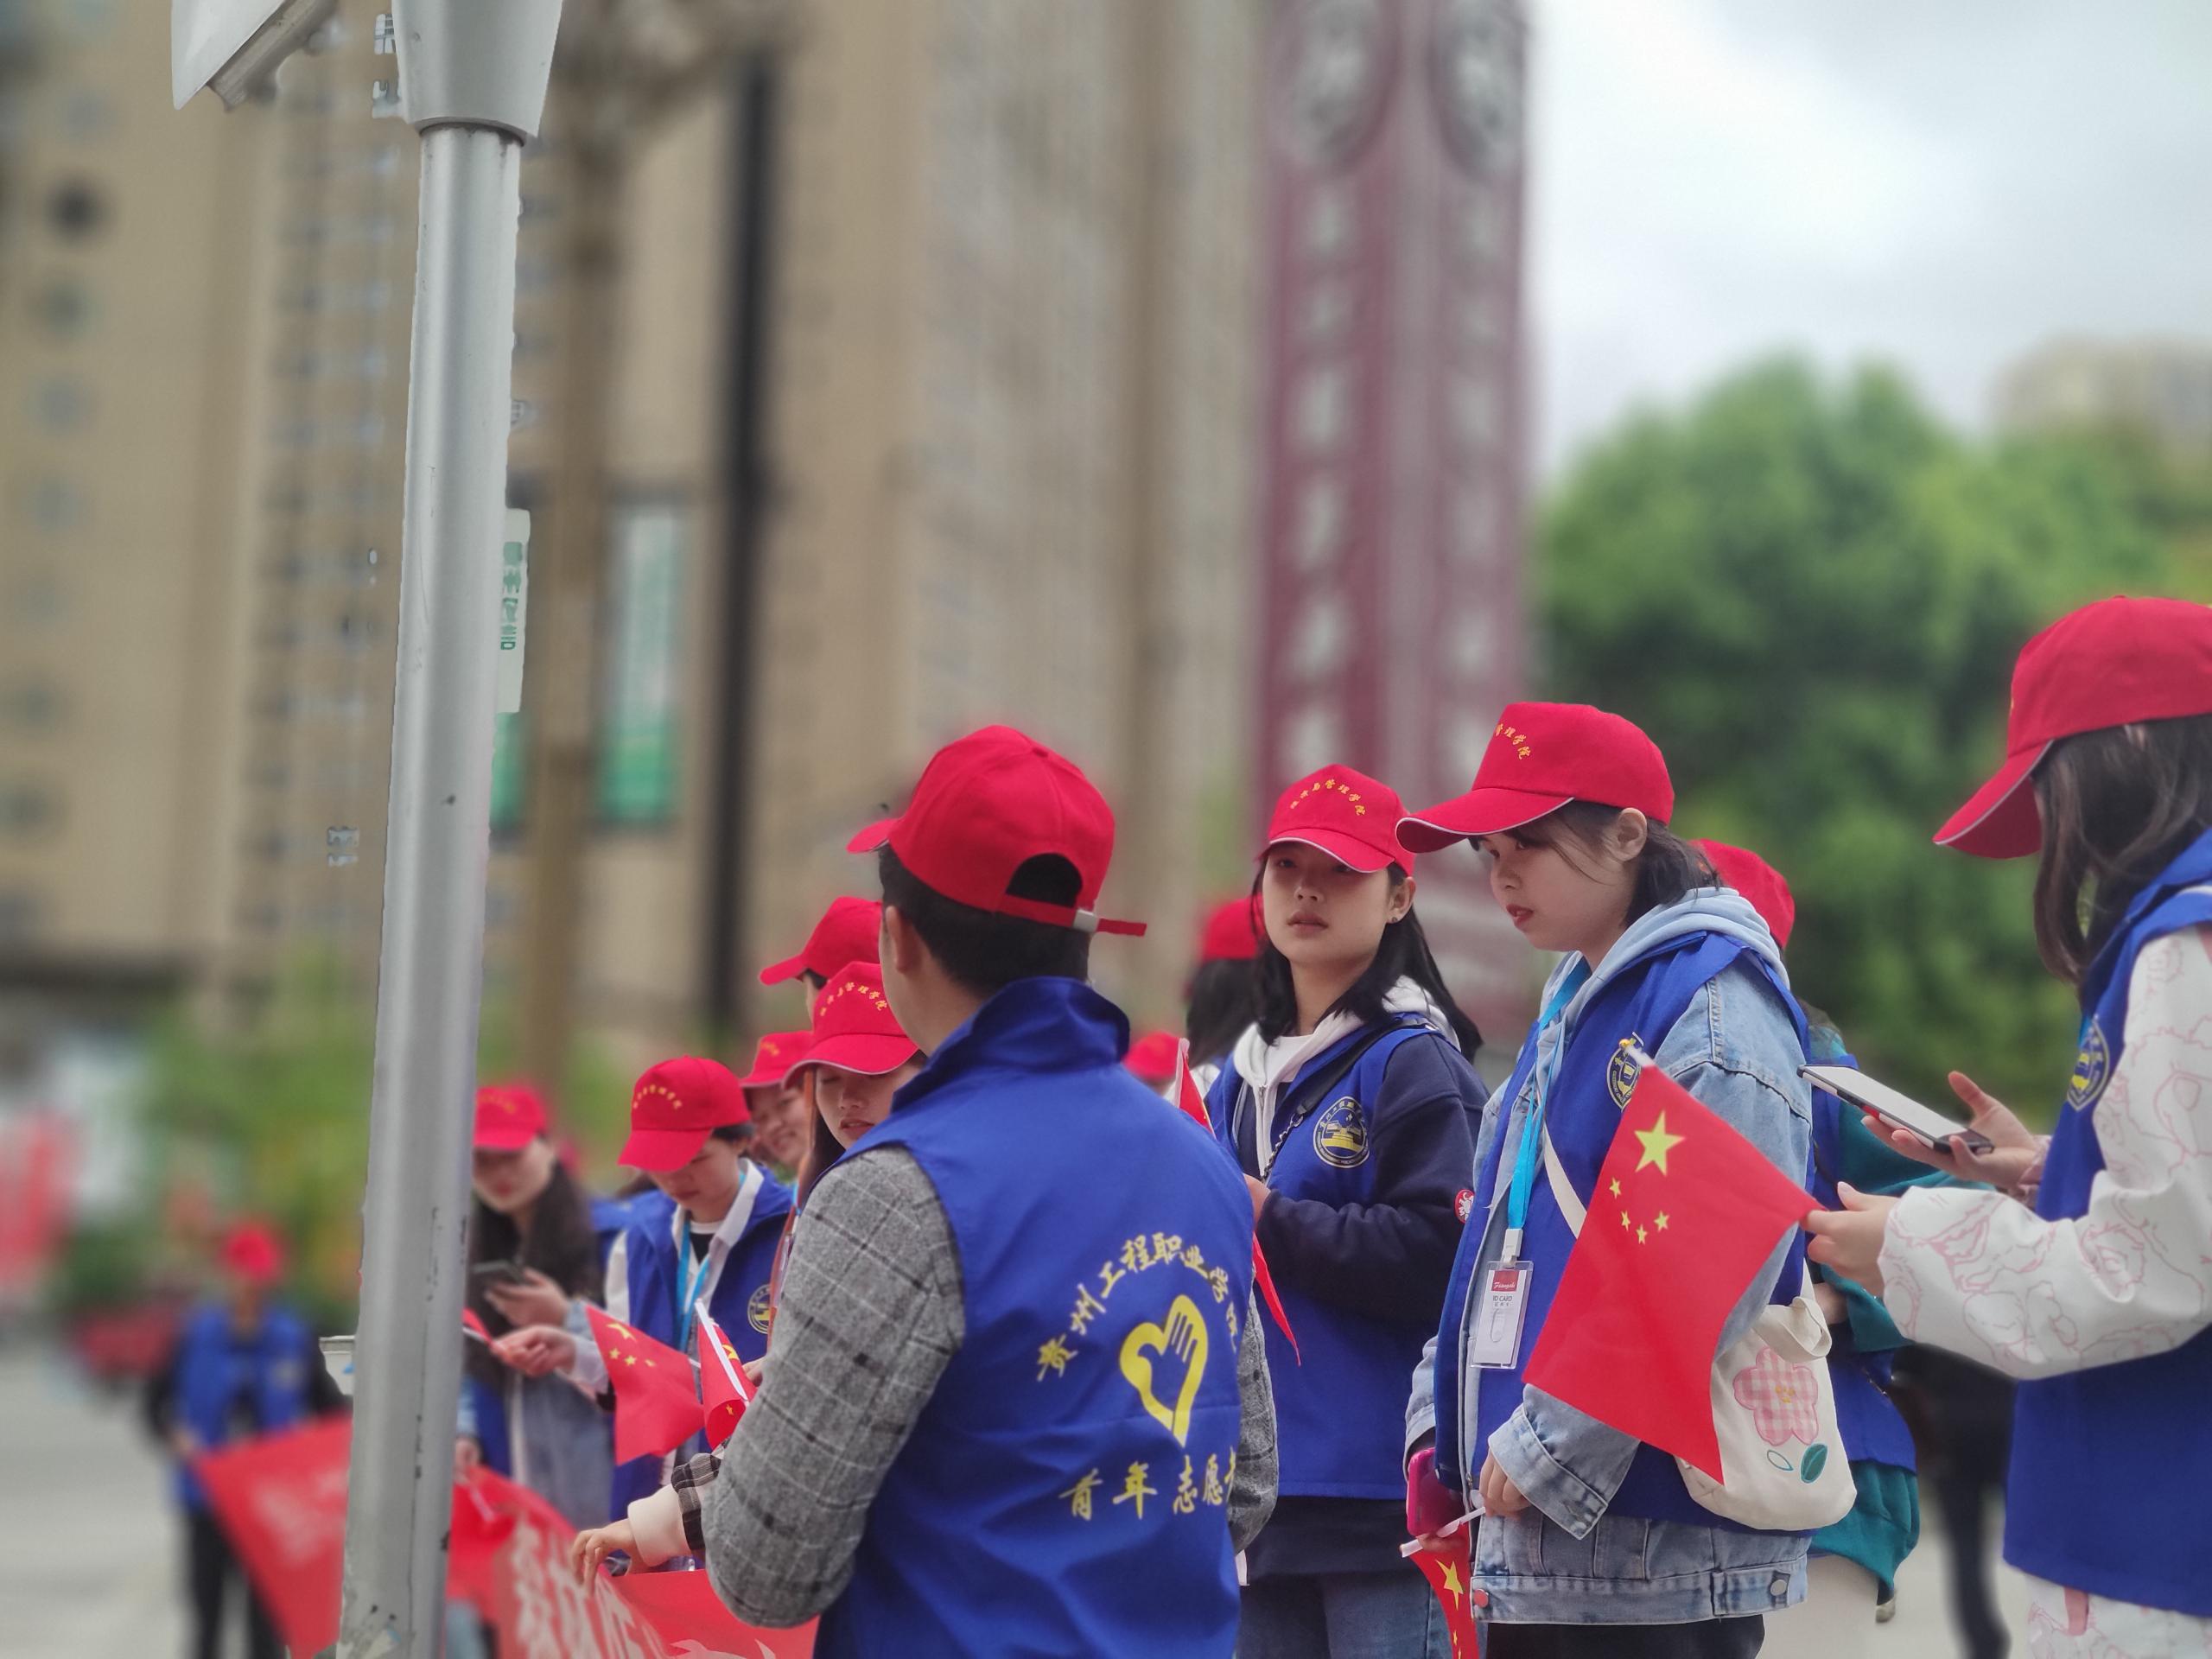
point(2111, 1486)
point(1866, 1416)
point(212, 1371)
point(1340, 1406)
point(1066, 1488)
point(1640, 1004)
point(740, 1303)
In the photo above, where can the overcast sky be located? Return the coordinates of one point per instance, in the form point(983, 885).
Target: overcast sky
point(1939, 184)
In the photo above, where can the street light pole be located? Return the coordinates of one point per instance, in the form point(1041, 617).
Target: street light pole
point(473, 76)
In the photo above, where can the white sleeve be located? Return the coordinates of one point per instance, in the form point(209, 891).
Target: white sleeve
point(657, 1524)
point(1984, 1276)
point(586, 1368)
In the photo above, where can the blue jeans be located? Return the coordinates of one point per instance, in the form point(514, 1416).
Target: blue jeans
point(1342, 1616)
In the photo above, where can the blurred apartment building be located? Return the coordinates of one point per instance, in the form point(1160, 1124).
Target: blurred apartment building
point(2161, 388)
point(998, 264)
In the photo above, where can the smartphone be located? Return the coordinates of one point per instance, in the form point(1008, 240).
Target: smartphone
point(510, 1272)
point(1927, 1125)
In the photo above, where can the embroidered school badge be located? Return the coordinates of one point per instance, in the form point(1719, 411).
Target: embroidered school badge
point(1464, 1206)
point(1340, 1135)
point(2092, 1066)
point(758, 1313)
point(1621, 1070)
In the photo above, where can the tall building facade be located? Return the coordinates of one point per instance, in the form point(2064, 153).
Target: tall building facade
point(1003, 258)
point(1393, 419)
point(2162, 388)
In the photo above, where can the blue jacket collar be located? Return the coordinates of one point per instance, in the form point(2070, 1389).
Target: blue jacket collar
point(2192, 868)
point(1034, 1025)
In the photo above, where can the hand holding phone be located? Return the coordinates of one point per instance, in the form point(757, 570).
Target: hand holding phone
point(1927, 1126)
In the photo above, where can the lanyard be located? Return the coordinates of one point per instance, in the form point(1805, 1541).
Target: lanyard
point(1530, 1152)
point(694, 1284)
point(699, 1279)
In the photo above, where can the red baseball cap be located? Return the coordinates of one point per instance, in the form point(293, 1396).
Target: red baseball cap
point(847, 931)
point(1231, 931)
point(854, 1027)
point(985, 805)
point(1541, 756)
point(1759, 882)
point(780, 1051)
point(2110, 663)
point(509, 1116)
point(253, 1252)
point(1348, 816)
point(674, 1106)
point(1151, 1057)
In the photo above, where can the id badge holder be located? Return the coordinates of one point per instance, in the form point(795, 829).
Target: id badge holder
point(1500, 1309)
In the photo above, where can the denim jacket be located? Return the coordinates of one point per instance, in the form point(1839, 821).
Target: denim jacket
point(1565, 1559)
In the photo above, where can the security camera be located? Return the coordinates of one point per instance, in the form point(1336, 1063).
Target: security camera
point(234, 46)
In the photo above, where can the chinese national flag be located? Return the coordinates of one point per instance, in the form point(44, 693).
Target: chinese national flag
point(1194, 1106)
point(723, 1387)
point(472, 1326)
point(1685, 1212)
point(655, 1408)
point(1448, 1575)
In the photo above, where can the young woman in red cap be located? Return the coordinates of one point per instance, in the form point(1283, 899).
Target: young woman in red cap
point(856, 1061)
point(708, 1233)
point(2099, 1297)
point(782, 1114)
point(537, 1243)
point(1350, 1106)
point(1592, 1543)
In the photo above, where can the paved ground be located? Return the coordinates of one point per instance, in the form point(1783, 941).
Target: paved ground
point(89, 1550)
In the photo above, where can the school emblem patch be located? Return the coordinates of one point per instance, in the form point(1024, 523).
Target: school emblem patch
point(1464, 1206)
point(1340, 1135)
point(2092, 1066)
point(1620, 1071)
point(757, 1310)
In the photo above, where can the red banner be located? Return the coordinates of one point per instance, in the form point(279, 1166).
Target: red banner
point(281, 1500)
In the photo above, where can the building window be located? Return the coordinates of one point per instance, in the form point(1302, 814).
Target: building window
point(18, 915)
point(26, 809)
point(636, 739)
point(55, 505)
point(85, 115)
point(32, 705)
point(64, 308)
point(75, 209)
point(60, 405)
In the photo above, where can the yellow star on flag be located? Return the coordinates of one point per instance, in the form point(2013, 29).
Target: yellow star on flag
point(1617, 1189)
point(1663, 1221)
point(1452, 1580)
point(1657, 1143)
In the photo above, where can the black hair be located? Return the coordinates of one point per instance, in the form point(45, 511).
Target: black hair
point(984, 952)
point(1668, 869)
point(561, 1244)
point(1224, 997)
point(1403, 953)
point(738, 1135)
point(2118, 805)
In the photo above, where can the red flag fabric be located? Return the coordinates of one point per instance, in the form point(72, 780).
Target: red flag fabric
point(280, 1501)
point(1684, 1213)
point(1448, 1573)
point(656, 1407)
point(1194, 1106)
point(722, 1388)
point(474, 1325)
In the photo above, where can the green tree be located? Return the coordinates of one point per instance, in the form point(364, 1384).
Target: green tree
point(1811, 594)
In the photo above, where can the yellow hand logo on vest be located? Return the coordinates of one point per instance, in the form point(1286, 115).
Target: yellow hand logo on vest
point(1183, 1336)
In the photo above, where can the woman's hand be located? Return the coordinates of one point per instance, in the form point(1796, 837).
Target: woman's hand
point(594, 1546)
point(1849, 1241)
point(753, 1367)
point(1834, 1309)
point(536, 1300)
point(1259, 1191)
point(1500, 1496)
point(2014, 1146)
point(536, 1351)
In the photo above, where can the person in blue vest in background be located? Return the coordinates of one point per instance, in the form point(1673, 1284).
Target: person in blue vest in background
point(1352, 1109)
point(2099, 1297)
point(537, 1250)
point(707, 1232)
point(243, 1365)
point(1014, 1406)
point(1851, 1577)
point(1592, 1543)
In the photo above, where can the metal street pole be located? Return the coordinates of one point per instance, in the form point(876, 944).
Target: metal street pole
point(473, 76)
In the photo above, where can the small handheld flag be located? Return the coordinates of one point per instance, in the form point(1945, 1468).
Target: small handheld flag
point(656, 1408)
point(723, 1389)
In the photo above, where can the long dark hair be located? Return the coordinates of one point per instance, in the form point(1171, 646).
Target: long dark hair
point(1667, 870)
point(1403, 954)
point(561, 1244)
point(2119, 806)
point(1224, 995)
